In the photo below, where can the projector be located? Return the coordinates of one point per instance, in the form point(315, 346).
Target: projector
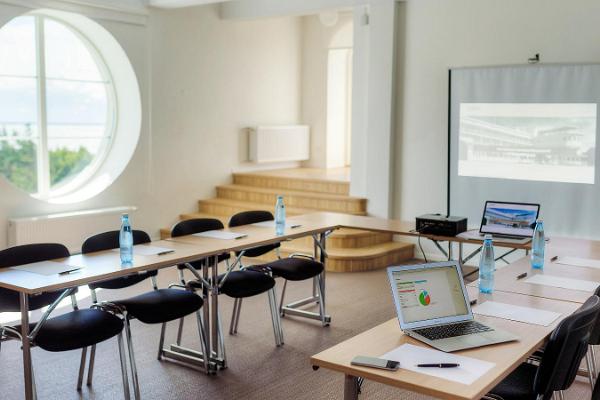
point(438, 224)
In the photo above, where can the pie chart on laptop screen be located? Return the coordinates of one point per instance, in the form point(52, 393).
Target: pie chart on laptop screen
point(424, 298)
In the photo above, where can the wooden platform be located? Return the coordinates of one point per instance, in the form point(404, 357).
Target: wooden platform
point(306, 190)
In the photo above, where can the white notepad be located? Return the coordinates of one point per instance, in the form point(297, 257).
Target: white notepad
point(223, 235)
point(46, 268)
point(528, 315)
point(409, 356)
point(560, 282)
point(579, 262)
point(144, 250)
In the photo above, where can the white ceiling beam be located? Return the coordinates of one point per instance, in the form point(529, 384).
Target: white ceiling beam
point(181, 3)
point(252, 9)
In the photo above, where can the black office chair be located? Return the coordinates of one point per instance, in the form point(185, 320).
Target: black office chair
point(237, 284)
point(297, 267)
point(158, 306)
point(596, 392)
point(590, 356)
point(77, 329)
point(559, 363)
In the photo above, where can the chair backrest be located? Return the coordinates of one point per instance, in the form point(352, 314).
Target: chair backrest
point(27, 254)
point(196, 225)
point(108, 241)
point(595, 334)
point(565, 350)
point(596, 392)
point(252, 217)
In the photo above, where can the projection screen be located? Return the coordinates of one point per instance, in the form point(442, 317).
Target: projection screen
point(526, 134)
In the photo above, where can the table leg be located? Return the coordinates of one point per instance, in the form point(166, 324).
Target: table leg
point(26, 345)
point(214, 323)
point(450, 251)
point(350, 387)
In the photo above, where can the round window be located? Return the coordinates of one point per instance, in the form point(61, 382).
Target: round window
point(58, 107)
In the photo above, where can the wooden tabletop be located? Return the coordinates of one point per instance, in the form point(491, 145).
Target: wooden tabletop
point(506, 356)
point(105, 265)
point(397, 227)
point(506, 280)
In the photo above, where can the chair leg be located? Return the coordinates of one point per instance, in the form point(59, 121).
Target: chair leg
point(320, 289)
point(237, 316)
point(161, 341)
point(123, 359)
point(180, 332)
point(134, 375)
point(588, 361)
point(232, 327)
point(275, 318)
point(203, 344)
point(81, 368)
point(34, 386)
point(281, 312)
point(594, 368)
point(222, 342)
point(91, 365)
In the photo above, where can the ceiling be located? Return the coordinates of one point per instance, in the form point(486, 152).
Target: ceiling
point(181, 3)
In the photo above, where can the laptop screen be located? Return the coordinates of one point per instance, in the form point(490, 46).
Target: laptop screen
point(428, 293)
point(510, 219)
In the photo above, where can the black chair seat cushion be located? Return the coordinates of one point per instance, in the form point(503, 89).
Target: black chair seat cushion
point(162, 305)
point(295, 269)
point(77, 329)
point(246, 283)
point(518, 385)
point(126, 281)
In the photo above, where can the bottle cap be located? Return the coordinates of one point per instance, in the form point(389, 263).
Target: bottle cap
point(125, 215)
point(487, 237)
point(537, 221)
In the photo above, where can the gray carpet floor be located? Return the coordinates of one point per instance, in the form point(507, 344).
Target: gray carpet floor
point(257, 369)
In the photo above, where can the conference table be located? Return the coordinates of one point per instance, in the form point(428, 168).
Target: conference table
point(105, 265)
point(100, 266)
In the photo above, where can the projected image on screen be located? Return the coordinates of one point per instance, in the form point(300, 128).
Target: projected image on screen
point(528, 141)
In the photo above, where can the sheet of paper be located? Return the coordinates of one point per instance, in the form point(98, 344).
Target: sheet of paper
point(46, 268)
point(144, 250)
point(560, 282)
point(516, 313)
point(409, 356)
point(579, 262)
point(473, 234)
point(223, 235)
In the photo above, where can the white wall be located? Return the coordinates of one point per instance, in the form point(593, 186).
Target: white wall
point(440, 34)
point(316, 42)
point(212, 78)
point(202, 80)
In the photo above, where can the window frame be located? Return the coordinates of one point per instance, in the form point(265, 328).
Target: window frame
point(44, 189)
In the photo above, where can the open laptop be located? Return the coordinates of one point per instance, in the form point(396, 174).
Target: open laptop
point(433, 307)
point(515, 221)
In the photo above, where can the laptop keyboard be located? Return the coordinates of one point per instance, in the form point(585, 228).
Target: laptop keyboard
point(453, 330)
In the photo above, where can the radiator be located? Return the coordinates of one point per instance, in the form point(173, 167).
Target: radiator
point(279, 143)
point(70, 229)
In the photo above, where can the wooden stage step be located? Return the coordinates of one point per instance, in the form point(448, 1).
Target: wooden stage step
point(309, 180)
point(300, 199)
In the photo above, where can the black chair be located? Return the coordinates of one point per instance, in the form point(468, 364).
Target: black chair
point(590, 356)
point(559, 363)
point(596, 392)
point(237, 284)
point(297, 267)
point(77, 329)
point(158, 306)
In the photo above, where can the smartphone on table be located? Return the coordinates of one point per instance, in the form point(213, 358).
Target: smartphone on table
point(374, 362)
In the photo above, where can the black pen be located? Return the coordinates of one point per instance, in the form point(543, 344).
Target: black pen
point(473, 302)
point(69, 271)
point(295, 226)
point(523, 275)
point(440, 365)
point(241, 237)
point(554, 259)
point(162, 253)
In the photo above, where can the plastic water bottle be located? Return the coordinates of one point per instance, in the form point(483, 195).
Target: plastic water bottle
point(538, 244)
point(487, 266)
point(279, 216)
point(126, 241)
